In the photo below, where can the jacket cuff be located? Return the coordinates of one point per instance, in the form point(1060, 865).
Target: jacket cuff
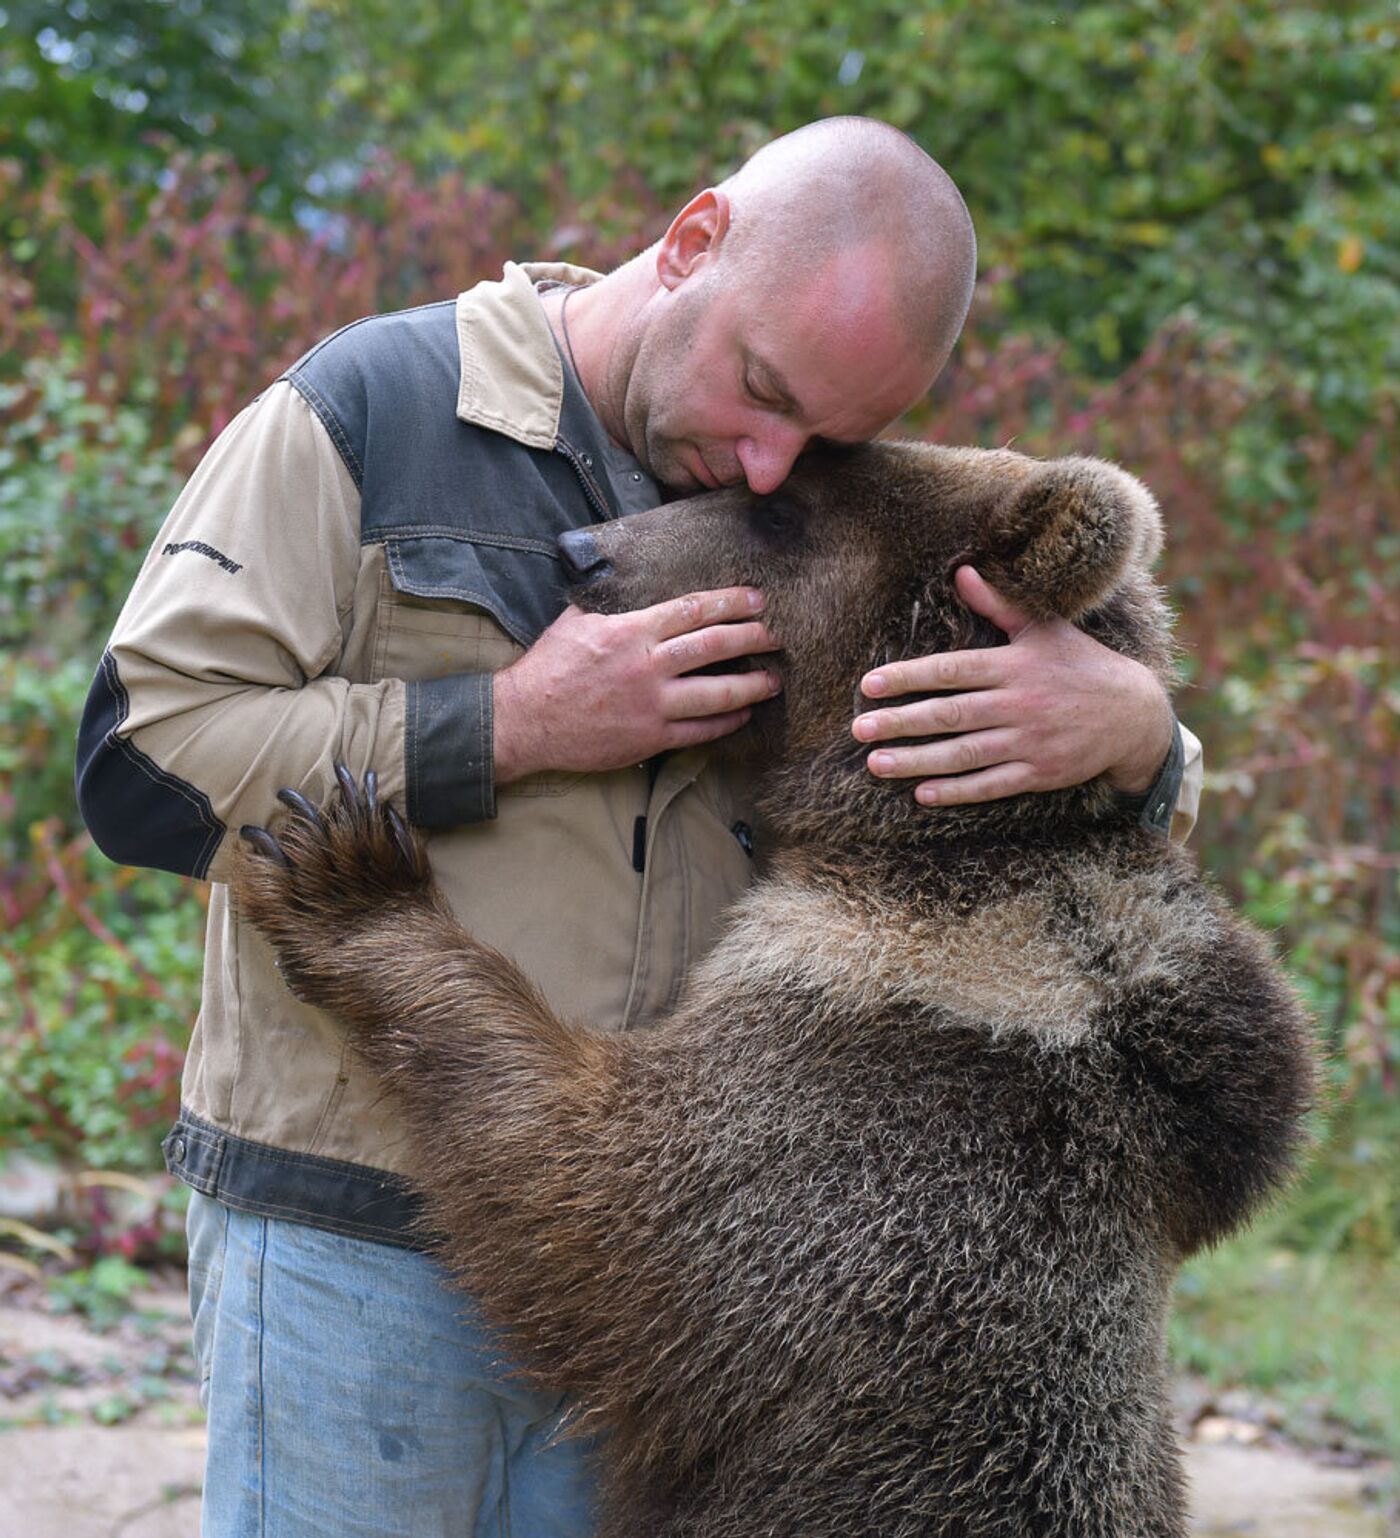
point(448, 740)
point(1156, 804)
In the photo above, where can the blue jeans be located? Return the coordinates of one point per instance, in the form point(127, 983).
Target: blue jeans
point(352, 1392)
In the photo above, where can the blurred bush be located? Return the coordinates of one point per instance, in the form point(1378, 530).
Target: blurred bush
point(99, 968)
point(1123, 159)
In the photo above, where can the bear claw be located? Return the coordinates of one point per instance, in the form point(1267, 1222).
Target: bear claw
point(264, 843)
point(345, 828)
point(402, 837)
point(299, 803)
point(349, 791)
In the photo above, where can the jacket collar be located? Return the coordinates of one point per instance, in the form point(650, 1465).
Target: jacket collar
point(512, 378)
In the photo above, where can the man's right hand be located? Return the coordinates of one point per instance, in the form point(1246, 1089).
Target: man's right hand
point(600, 691)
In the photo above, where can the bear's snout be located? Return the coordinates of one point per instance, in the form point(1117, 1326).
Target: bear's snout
point(583, 560)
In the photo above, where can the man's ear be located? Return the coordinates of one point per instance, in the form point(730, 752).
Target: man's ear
point(694, 238)
point(1068, 534)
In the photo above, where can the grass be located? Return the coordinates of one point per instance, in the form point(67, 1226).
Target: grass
point(1318, 1332)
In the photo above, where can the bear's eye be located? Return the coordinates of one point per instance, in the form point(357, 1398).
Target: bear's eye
point(776, 518)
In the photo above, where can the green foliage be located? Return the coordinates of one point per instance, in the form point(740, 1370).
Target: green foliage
point(167, 312)
point(1314, 1331)
point(1123, 160)
point(99, 984)
point(81, 493)
point(102, 1293)
point(99, 968)
point(92, 81)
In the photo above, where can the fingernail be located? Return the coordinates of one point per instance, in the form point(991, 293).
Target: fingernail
point(755, 599)
point(926, 795)
point(774, 682)
point(882, 763)
point(865, 727)
point(875, 684)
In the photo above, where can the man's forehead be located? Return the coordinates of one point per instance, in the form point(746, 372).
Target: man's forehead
point(831, 343)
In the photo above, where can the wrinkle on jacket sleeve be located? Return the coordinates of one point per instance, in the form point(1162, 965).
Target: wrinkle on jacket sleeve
point(217, 687)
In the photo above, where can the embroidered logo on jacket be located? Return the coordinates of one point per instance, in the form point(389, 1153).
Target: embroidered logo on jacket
point(200, 548)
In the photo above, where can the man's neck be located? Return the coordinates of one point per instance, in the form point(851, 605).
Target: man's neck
point(592, 334)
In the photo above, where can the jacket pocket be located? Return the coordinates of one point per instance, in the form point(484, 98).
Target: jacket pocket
point(450, 605)
point(518, 582)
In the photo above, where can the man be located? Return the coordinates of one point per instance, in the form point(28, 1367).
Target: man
point(363, 569)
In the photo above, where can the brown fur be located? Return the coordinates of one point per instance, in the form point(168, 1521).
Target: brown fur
point(876, 1233)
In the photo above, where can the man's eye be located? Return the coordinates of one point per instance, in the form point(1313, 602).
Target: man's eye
point(755, 394)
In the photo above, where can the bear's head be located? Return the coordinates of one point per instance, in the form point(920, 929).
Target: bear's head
point(855, 555)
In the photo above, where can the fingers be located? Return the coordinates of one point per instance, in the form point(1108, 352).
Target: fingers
point(677, 616)
point(690, 734)
point(715, 643)
point(959, 755)
point(982, 598)
point(987, 785)
point(982, 669)
point(690, 698)
point(931, 717)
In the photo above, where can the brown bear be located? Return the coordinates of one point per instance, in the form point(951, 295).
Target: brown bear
point(875, 1233)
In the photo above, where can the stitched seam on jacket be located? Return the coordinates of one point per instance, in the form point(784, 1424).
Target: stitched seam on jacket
point(411, 748)
point(261, 1206)
point(491, 537)
point(515, 627)
point(155, 773)
point(436, 589)
point(191, 1124)
point(330, 422)
point(416, 309)
point(486, 777)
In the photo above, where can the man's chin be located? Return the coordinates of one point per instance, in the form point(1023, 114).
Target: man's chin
point(679, 468)
point(705, 478)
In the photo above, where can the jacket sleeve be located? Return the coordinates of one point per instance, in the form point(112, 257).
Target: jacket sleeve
point(1188, 797)
point(1168, 806)
point(218, 686)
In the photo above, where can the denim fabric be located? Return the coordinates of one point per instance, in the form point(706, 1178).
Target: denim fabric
point(352, 1394)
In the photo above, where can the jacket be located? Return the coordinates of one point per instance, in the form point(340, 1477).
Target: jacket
point(358, 552)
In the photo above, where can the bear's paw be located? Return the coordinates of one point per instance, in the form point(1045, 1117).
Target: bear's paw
point(308, 885)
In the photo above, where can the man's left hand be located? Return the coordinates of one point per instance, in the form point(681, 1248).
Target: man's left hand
point(1052, 708)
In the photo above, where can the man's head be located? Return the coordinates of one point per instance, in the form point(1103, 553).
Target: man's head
point(815, 294)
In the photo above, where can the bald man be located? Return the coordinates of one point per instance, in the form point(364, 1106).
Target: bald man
point(363, 570)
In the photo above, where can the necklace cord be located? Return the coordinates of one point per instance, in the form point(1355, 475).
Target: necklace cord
point(564, 327)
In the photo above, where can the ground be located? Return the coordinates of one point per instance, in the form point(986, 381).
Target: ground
point(101, 1436)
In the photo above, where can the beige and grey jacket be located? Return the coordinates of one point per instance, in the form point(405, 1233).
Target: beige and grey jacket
point(357, 554)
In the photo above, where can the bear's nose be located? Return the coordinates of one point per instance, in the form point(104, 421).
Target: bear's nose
point(581, 555)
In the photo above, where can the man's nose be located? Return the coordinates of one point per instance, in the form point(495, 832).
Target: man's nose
point(767, 461)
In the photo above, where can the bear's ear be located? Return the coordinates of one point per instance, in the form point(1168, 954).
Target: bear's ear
point(1065, 538)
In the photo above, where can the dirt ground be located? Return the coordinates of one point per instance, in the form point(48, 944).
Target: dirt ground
point(101, 1437)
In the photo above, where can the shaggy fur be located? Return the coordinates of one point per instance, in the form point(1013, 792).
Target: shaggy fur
point(875, 1234)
